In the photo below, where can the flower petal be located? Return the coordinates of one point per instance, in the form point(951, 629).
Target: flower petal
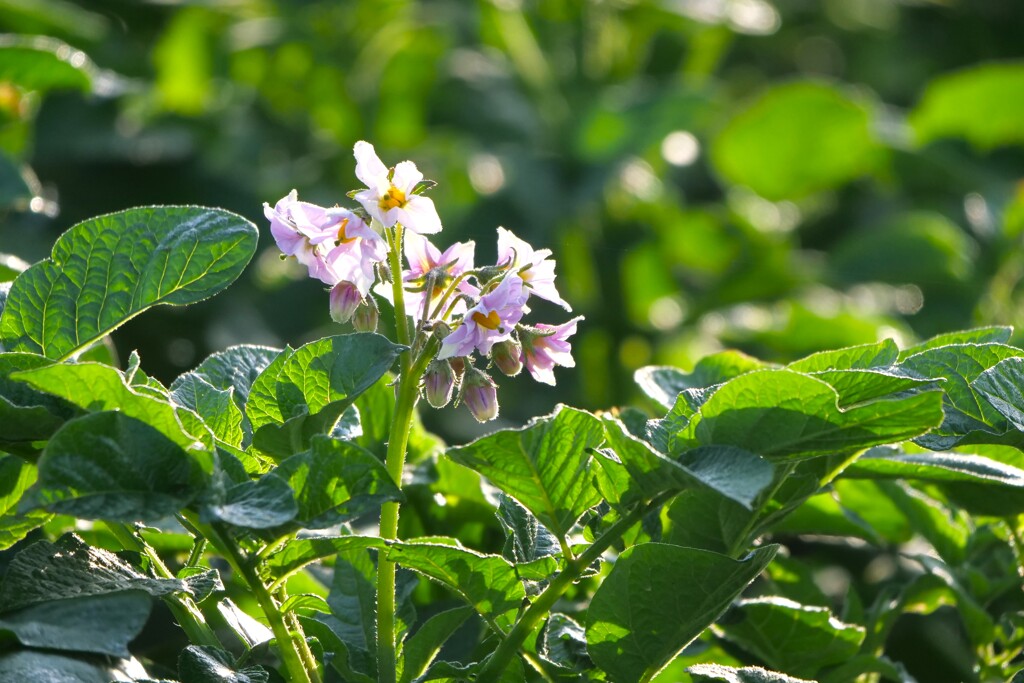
point(419, 215)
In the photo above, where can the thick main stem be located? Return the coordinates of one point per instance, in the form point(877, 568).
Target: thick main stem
point(508, 647)
point(408, 392)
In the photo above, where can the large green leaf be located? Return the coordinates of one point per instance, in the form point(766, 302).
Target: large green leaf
point(797, 639)
point(40, 63)
point(664, 383)
point(265, 503)
point(16, 476)
point(657, 599)
point(795, 139)
point(106, 270)
point(487, 582)
point(97, 387)
point(101, 624)
point(336, 481)
point(886, 463)
point(111, 466)
point(302, 393)
point(862, 357)
point(68, 568)
point(546, 466)
point(784, 415)
point(993, 334)
point(969, 417)
point(983, 103)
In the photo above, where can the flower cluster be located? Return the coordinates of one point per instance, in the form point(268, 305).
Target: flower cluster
point(473, 311)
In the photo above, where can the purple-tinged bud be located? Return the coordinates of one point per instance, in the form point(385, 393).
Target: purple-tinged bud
point(366, 316)
point(344, 299)
point(438, 383)
point(480, 394)
point(508, 356)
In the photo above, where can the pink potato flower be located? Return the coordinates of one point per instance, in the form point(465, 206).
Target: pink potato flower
point(424, 257)
point(493, 319)
point(389, 196)
point(534, 267)
point(546, 346)
point(335, 245)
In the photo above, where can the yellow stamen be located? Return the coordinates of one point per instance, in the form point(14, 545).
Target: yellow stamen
point(342, 237)
point(394, 198)
point(491, 321)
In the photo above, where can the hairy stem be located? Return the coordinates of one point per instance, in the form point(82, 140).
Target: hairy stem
point(186, 612)
point(510, 645)
point(405, 405)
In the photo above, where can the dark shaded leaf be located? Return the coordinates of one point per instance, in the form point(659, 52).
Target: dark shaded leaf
point(114, 467)
point(212, 665)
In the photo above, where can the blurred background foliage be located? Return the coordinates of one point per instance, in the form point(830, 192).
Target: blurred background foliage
point(777, 177)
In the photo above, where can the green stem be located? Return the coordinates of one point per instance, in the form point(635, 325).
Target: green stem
point(510, 645)
point(398, 295)
point(186, 612)
point(290, 643)
point(405, 405)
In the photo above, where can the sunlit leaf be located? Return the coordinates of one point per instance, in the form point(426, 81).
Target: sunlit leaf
point(106, 270)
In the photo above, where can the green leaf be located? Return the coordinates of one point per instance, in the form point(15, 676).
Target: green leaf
point(703, 518)
point(107, 270)
point(1001, 386)
point(68, 568)
point(96, 387)
point(487, 582)
point(303, 393)
point(215, 406)
point(798, 639)
point(983, 104)
point(969, 417)
point(731, 472)
point(795, 139)
point(114, 467)
point(546, 465)
point(657, 599)
point(16, 476)
point(419, 651)
point(710, 673)
point(27, 415)
point(860, 386)
point(336, 481)
point(863, 357)
point(212, 665)
point(784, 415)
point(299, 552)
point(664, 383)
point(946, 530)
point(887, 463)
point(101, 624)
point(41, 63)
point(31, 666)
point(563, 642)
point(993, 334)
point(202, 582)
point(526, 539)
point(340, 656)
point(265, 503)
point(233, 369)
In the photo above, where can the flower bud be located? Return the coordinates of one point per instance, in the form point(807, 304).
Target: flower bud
point(438, 383)
point(480, 394)
point(508, 356)
point(366, 316)
point(344, 300)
